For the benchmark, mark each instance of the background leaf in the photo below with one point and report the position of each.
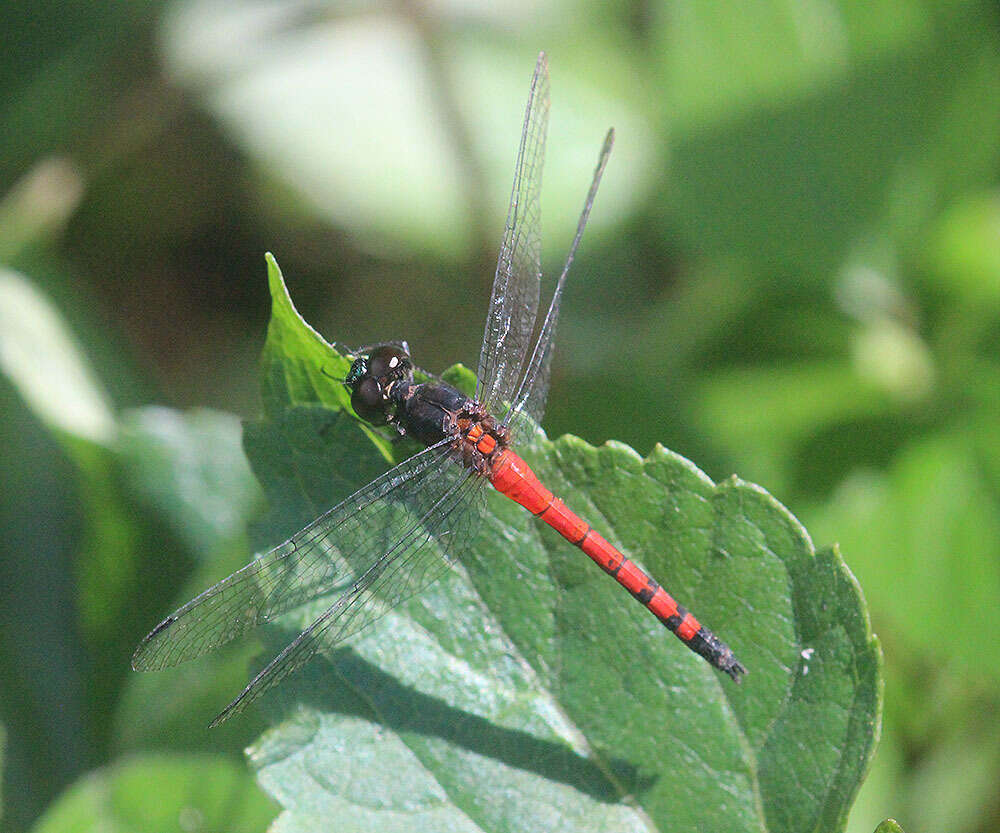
(166, 793)
(38, 354)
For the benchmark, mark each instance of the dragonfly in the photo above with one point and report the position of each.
(401, 532)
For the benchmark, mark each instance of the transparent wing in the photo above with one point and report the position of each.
(514, 303)
(414, 561)
(528, 405)
(336, 549)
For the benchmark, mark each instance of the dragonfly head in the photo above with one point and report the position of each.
(371, 377)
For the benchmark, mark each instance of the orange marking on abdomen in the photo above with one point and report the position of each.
(603, 553)
(688, 628)
(631, 577)
(511, 476)
(514, 478)
(663, 605)
(565, 521)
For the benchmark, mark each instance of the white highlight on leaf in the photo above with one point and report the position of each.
(40, 356)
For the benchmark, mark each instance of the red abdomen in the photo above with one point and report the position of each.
(511, 476)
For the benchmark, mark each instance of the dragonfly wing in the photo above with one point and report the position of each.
(332, 552)
(528, 406)
(514, 303)
(414, 561)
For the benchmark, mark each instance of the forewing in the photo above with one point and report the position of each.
(335, 550)
(414, 561)
(514, 303)
(528, 406)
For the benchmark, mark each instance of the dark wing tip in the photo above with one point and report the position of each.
(142, 659)
(221, 717)
(236, 706)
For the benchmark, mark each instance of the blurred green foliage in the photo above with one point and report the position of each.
(791, 273)
(192, 792)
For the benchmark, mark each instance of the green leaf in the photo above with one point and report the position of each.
(396, 182)
(191, 469)
(962, 250)
(46, 737)
(298, 367)
(889, 826)
(717, 58)
(767, 125)
(526, 691)
(296, 357)
(925, 531)
(40, 356)
(790, 402)
(165, 793)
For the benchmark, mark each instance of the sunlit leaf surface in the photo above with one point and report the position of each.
(526, 691)
(167, 793)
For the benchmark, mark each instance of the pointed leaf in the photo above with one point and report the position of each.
(526, 691)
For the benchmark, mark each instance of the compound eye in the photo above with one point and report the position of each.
(359, 367)
(388, 361)
(368, 403)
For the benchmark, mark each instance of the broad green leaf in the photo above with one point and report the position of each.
(399, 180)
(191, 468)
(165, 793)
(171, 710)
(297, 363)
(41, 357)
(769, 127)
(962, 250)
(790, 402)
(40, 634)
(527, 691)
(926, 531)
(718, 58)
